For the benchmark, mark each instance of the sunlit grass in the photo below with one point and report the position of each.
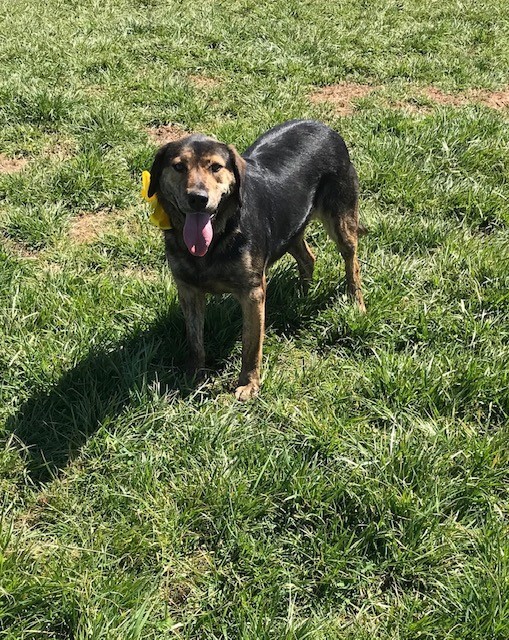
(364, 494)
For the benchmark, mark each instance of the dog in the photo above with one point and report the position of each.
(234, 215)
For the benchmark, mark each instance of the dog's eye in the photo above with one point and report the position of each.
(179, 167)
(215, 167)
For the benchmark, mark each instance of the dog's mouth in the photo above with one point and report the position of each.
(198, 232)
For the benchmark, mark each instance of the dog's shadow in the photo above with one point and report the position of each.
(53, 425)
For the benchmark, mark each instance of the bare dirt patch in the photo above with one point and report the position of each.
(410, 106)
(88, 226)
(11, 165)
(441, 97)
(59, 150)
(204, 82)
(18, 249)
(342, 96)
(493, 99)
(166, 133)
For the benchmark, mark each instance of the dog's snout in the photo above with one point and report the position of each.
(198, 199)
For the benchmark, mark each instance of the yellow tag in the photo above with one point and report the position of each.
(158, 217)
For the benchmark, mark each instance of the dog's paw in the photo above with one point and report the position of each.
(246, 392)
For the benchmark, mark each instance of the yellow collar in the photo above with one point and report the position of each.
(158, 217)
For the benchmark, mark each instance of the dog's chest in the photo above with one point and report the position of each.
(219, 272)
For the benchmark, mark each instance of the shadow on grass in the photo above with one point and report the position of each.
(53, 425)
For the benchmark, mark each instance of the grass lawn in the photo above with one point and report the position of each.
(365, 493)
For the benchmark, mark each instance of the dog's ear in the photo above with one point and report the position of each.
(239, 169)
(156, 170)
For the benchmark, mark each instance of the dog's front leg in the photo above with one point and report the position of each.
(253, 329)
(192, 303)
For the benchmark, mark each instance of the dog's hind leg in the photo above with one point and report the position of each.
(343, 229)
(339, 213)
(305, 259)
(347, 240)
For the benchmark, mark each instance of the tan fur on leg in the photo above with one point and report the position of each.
(253, 313)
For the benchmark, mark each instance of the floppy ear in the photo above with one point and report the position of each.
(156, 170)
(239, 169)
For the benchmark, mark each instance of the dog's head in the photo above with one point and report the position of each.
(194, 177)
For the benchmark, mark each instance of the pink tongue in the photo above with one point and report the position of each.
(198, 233)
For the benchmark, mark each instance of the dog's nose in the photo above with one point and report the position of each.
(198, 199)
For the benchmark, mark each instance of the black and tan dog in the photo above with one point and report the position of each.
(233, 216)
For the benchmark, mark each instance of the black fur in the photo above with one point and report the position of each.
(292, 170)
(262, 202)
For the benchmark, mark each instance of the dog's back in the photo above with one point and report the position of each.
(295, 170)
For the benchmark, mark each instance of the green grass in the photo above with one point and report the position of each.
(365, 493)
